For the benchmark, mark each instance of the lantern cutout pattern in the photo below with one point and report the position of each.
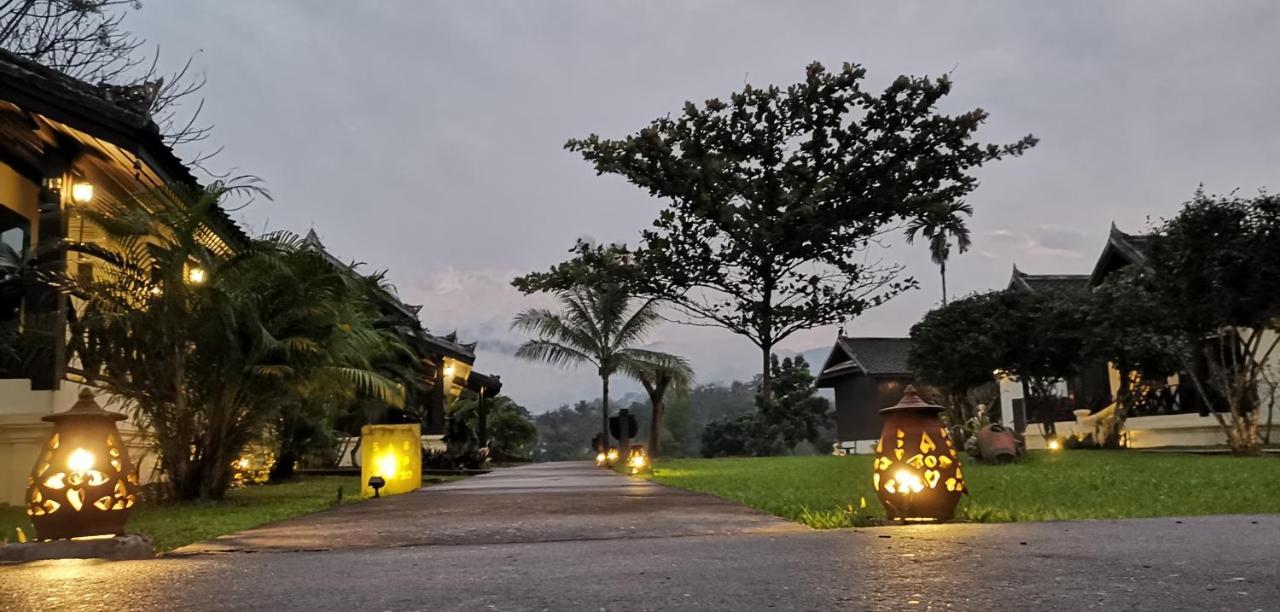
(394, 453)
(917, 473)
(83, 483)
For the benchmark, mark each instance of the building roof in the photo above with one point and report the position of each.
(1121, 250)
(115, 114)
(1021, 281)
(865, 357)
(490, 384)
(446, 345)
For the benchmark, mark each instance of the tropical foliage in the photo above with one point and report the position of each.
(939, 225)
(498, 423)
(209, 348)
(598, 326)
(795, 421)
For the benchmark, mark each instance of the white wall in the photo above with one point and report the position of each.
(22, 434)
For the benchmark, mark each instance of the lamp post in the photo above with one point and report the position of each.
(83, 483)
(917, 472)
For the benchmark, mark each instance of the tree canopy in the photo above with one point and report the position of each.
(774, 196)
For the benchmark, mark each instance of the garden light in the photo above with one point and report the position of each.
(1054, 445)
(601, 458)
(917, 472)
(612, 456)
(377, 482)
(81, 192)
(393, 455)
(83, 484)
(637, 460)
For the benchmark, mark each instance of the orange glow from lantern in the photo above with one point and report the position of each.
(80, 460)
(916, 473)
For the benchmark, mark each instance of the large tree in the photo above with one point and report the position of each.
(599, 325)
(1212, 274)
(774, 197)
(956, 348)
(89, 41)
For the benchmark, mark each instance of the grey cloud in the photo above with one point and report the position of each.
(425, 138)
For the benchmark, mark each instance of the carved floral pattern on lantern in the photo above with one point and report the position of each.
(927, 467)
(79, 481)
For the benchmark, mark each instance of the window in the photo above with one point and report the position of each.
(14, 230)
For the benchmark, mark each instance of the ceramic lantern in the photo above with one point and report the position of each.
(917, 472)
(83, 483)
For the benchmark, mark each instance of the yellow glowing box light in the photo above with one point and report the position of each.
(393, 452)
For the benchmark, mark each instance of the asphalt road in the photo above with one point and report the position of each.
(570, 537)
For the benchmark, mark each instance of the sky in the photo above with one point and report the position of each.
(426, 138)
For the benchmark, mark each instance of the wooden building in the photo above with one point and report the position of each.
(1163, 413)
(867, 374)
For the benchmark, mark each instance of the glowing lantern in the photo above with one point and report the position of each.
(917, 472)
(637, 459)
(601, 458)
(392, 453)
(83, 483)
(82, 192)
(612, 456)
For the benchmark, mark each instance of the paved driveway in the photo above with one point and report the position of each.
(570, 537)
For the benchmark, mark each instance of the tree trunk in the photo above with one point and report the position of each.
(482, 422)
(943, 267)
(604, 413)
(766, 377)
(655, 426)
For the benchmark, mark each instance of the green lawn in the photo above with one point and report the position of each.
(825, 492)
(175, 525)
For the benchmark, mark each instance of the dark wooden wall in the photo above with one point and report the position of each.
(858, 403)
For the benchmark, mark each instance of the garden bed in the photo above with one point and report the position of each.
(827, 492)
(173, 525)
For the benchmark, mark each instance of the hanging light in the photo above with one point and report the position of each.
(196, 275)
(82, 192)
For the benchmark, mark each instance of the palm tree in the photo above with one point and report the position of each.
(672, 373)
(598, 326)
(939, 226)
(207, 346)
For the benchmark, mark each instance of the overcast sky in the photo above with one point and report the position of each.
(426, 137)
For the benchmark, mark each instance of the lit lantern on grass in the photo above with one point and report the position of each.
(917, 472)
(392, 453)
(83, 484)
(611, 457)
(637, 459)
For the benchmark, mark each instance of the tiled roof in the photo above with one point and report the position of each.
(865, 356)
(1047, 282)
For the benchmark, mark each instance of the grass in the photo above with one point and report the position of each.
(829, 492)
(174, 525)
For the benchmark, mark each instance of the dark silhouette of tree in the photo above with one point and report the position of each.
(775, 196)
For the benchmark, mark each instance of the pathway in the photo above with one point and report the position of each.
(572, 537)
